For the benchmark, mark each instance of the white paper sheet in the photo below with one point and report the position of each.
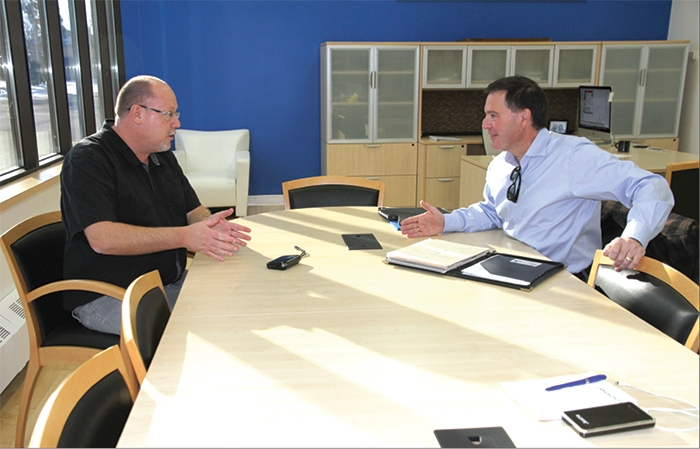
(549, 405)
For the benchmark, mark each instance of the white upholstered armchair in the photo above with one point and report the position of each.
(217, 164)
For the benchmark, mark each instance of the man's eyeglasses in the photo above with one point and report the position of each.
(514, 189)
(167, 114)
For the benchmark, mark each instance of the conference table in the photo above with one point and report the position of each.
(344, 350)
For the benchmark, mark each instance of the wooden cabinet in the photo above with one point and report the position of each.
(647, 82)
(575, 65)
(369, 93)
(438, 172)
(534, 62)
(444, 67)
(393, 164)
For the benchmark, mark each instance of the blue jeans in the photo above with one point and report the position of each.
(104, 314)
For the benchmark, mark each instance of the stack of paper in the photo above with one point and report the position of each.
(549, 405)
(436, 255)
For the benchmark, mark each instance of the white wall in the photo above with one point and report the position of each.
(685, 25)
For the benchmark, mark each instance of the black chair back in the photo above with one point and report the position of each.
(97, 420)
(39, 255)
(328, 195)
(152, 315)
(686, 192)
(650, 299)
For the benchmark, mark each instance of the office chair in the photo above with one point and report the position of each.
(34, 253)
(488, 148)
(217, 164)
(145, 313)
(323, 191)
(683, 179)
(655, 292)
(90, 407)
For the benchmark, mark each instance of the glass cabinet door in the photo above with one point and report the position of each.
(575, 65)
(534, 62)
(487, 64)
(663, 81)
(349, 93)
(621, 69)
(444, 67)
(396, 85)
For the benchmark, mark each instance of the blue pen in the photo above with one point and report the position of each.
(587, 380)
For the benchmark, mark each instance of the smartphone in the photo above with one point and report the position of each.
(608, 419)
(284, 262)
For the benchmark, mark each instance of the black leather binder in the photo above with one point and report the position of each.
(508, 270)
(400, 213)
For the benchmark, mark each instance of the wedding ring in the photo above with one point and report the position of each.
(627, 258)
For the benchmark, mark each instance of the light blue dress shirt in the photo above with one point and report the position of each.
(564, 178)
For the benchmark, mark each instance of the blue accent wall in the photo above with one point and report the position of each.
(255, 64)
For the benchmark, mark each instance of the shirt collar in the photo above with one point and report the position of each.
(122, 147)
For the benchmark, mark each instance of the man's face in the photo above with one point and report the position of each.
(503, 125)
(161, 129)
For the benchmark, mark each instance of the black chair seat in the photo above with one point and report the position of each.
(71, 333)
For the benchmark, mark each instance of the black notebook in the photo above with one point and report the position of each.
(510, 271)
(400, 213)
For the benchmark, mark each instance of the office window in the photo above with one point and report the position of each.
(36, 41)
(56, 77)
(71, 60)
(9, 148)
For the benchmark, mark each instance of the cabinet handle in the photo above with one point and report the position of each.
(373, 145)
(643, 77)
(445, 179)
(373, 79)
(446, 147)
(373, 178)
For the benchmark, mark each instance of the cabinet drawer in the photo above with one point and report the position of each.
(372, 160)
(443, 160)
(399, 191)
(443, 192)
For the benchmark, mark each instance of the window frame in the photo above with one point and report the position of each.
(112, 70)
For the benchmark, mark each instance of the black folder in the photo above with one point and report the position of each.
(398, 214)
(508, 270)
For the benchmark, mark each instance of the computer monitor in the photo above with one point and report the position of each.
(594, 112)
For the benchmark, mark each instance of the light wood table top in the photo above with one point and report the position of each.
(346, 351)
(654, 160)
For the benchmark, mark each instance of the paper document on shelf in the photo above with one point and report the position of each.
(549, 405)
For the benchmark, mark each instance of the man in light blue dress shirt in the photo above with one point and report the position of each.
(545, 188)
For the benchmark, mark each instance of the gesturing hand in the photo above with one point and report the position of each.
(429, 223)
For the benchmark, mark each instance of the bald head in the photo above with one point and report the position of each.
(138, 90)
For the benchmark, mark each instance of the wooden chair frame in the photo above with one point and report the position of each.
(129, 340)
(52, 419)
(332, 180)
(51, 355)
(680, 282)
(679, 166)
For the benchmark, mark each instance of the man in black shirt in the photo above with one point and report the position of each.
(129, 209)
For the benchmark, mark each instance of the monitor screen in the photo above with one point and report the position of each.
(594, 112)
